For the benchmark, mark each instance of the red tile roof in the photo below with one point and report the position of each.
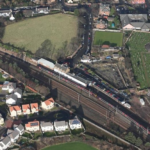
(33, 123)
(25, 107)
(34, 105)
(105, 46)
(138, 1)
(15, 108)
(49, 101)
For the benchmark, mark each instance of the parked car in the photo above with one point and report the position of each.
(142, 102)
(127, 105)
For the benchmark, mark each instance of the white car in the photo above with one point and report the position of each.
(127, 105)
(142, 101)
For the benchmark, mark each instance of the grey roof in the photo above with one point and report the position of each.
(20, 127)
(28, 13)
(12, 85)
(14, 134)
(104, 7)
(13, 96)
(5, 11)
(62, 67)
(18, 90)
(9, 131)
(136, 20)
(59, 123)
(74, 121)
(46, 124)
(1, 145)
(1, 115)
(46, 63)
(6, 140)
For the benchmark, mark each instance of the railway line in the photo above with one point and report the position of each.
(97, 104)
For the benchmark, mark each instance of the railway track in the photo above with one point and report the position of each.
(104, 109)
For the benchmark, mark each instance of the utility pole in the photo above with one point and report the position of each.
(147, 130)
(116, 111)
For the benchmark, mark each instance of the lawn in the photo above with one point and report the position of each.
(140, 58)
(70, 146)
(32, 32)
(1, 78)
(109, 38)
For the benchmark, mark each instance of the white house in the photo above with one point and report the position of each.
(48, 104)
(11, 99)
(34, 108)
(14, 136)
(26, 109)
(46, 126)
(5, 13)
(1, 119)
(60, 125)
(15, 111)
(8, 86)
(5, 143)
(32, 126)
(75, 124)
(19, 128)
(18, 92)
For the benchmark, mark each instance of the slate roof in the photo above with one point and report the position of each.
(20, 127)
(6, 140)
(60, 123)
(18, 90)
(46, 124)
(14, 134)
(13, 96)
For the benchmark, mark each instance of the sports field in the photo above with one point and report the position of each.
(70, 146)
(31, 33)
(140, 57)
(108, 38)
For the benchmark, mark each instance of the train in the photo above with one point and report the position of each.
(62, 70)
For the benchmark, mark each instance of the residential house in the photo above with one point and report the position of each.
(110, 19)
(32, 126)
(9, 86)
(72, 1)
(41, 10)
(134, 22)
(60, 125)
(11, 99)
(115, 56)
(5, 143)
(75, 124)
(105, 48)
(138, 1)
(26, 109)
(86, 59)
(19, 128)
(48, 104)
(27, 12)
(12, 17)
(14, 136)
(104, 10)
(5, 13)
(15, 111)
(18, 92)
(1, 119)
(101, 24)
(34, 108)
(46, 126)
(61, 68)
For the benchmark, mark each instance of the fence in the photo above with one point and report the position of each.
(107, 30)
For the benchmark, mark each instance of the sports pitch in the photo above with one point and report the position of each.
(108, 38)
(32, 32)
(70, 146)
(140, 57)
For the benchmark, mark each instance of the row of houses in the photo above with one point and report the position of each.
(18, 130)
(26, 12)
(32, 108)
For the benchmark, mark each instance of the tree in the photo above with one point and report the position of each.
(82, 20)
(76, 12)
(82, 11)
(130, 137)
(147, 144)
(138, 142)
(19, 16)
(45, 49)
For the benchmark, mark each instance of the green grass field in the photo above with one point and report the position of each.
(109, 38)
(31, 33)
(70, 146)
(140, 58)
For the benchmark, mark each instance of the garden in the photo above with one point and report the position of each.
(140, 58)
(108, 38)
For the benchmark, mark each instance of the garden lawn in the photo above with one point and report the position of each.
(140, 58)
(32, 32)
(70, 146)
(108, 38)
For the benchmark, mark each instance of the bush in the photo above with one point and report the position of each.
(49, 134)
(77, 131)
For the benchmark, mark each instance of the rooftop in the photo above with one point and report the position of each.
(60, 123)
(14, 108)
(32, 124)
(49, 101)
(46, 124)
